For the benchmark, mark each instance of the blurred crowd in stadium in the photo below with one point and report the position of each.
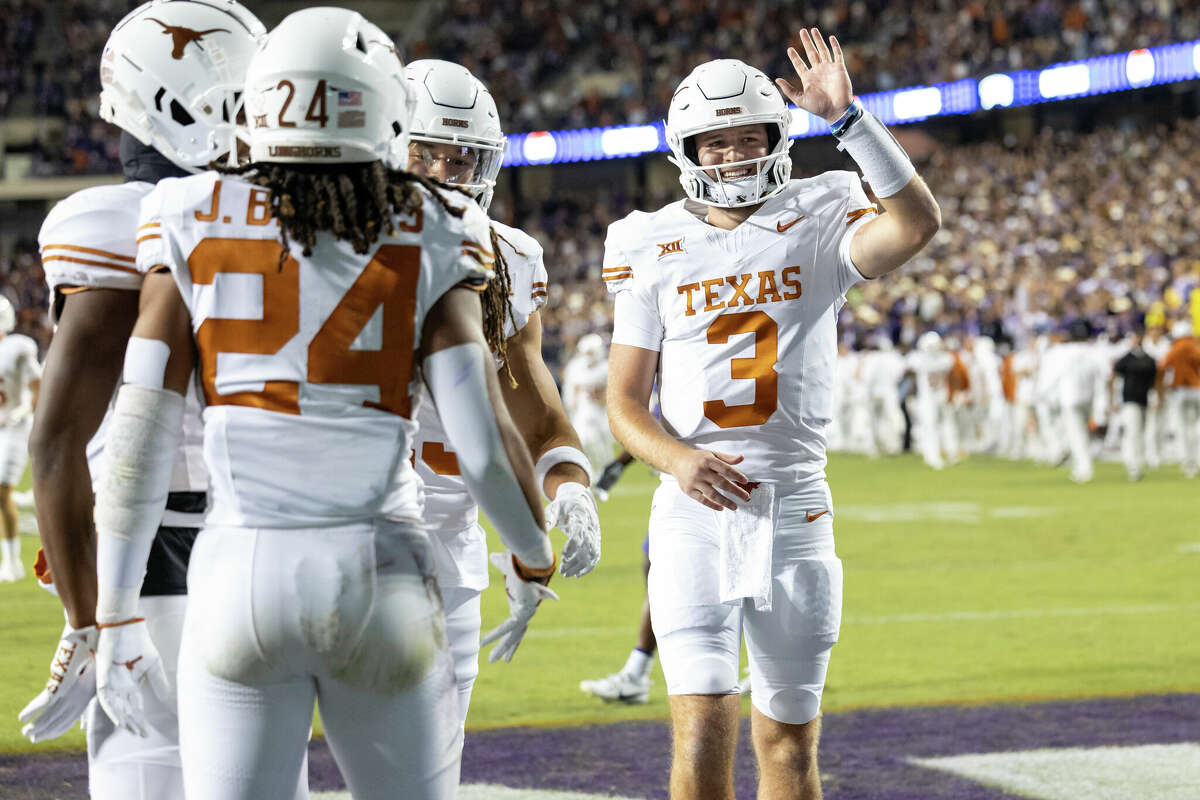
(555, 64)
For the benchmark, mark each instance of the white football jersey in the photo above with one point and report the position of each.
(18, 368)
(745, 321)
(931, 372)
(584, 382)
(449, 508)
(89, 241)
(307, 367)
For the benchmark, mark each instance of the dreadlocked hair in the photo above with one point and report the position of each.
(497, 305)
(357, 203)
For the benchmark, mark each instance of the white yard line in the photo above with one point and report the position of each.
(546, 632)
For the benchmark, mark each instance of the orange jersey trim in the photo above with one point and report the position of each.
(89, 262)
(91, 251)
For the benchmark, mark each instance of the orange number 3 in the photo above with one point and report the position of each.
(760, 369)
(389, 279)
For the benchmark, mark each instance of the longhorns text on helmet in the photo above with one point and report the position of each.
(454, 107)
(727, 93)
(327, 86)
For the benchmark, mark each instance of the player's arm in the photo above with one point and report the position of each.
(912, 215)
(560, 467)
(143, 436)
(82, 369)
(703, 475)
(537, 409)
(494, 461)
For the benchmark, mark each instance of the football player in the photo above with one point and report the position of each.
(20, 377)
(738, 287)
(457, 140)
(930, 365)
(1179, 374)
(171, 76)
(313, 289)
(584, 377)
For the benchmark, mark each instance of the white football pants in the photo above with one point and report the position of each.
(1075, 427)
(14, 452)
(1133, 438)
(345, 617)
(1186, 422)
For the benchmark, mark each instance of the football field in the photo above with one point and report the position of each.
(974, 596)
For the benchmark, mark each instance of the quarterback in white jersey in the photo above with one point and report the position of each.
(310, 326)
(735, 293)
(88, 245)
(20, 376)
(457, 140)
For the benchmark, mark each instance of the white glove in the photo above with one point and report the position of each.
(573, 510)
(71, 686)
(127, 664)
(523, 600)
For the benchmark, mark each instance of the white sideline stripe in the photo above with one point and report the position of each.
(890, 619)
(1160, 771)
(487, 791)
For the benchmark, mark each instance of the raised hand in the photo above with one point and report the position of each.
(824, 83)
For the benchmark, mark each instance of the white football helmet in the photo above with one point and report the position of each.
(929, 342)
(327, 86)
(454, 107)
(1181, 329)
(724, 94)
(172, 75)
(590, 346)
(8, 316)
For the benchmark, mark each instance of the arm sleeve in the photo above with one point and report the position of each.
(152, 241)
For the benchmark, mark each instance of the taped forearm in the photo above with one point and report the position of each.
(457, 378)
(882, 160)
(143, 435)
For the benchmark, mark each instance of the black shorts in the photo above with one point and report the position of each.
(166, 569)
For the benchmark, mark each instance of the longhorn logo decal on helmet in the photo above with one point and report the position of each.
(181, 37)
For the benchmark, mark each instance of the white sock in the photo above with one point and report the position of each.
(11, 550)
(639, 663)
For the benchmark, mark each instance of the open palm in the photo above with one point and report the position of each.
(824, 83)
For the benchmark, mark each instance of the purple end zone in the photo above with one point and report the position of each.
(864, 754)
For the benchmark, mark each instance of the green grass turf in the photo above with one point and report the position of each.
(989, 581)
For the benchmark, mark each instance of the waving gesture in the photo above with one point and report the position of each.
(824, 83)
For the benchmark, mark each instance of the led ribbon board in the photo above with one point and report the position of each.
(1135, 69)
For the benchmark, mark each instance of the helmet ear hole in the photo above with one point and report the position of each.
(180, 114)
(689, 149)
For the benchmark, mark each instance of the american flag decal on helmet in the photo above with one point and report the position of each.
(350, 98)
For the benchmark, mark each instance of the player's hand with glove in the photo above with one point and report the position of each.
(128, 665)
(71, 686)
(573, 511)
(526, 590)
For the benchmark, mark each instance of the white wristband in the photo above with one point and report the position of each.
(555, 456)
(883, 161)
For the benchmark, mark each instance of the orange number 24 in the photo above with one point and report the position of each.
(389, 279)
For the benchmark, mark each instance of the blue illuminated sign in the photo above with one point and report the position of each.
(1101, 75)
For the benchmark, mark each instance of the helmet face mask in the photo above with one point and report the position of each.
(325, 87)
(728, 94)
(172, 75)
(455, 120)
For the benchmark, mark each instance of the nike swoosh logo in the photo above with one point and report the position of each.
(811, 516)
(779, 226)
